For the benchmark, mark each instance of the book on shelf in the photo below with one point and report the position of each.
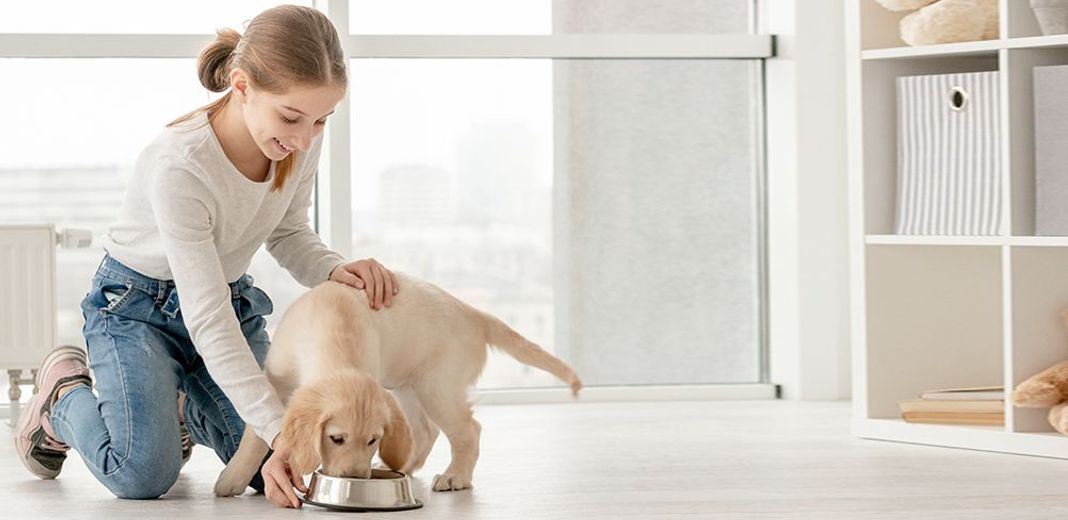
(981, 405)
(951, 406)
(968, 418)
(965, 394)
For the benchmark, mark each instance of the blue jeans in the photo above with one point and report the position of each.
(141, 355)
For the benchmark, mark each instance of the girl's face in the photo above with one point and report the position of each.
(281, 124)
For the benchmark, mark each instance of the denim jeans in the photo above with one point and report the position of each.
(141, 355)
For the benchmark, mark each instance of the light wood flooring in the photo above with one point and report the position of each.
(721, 460)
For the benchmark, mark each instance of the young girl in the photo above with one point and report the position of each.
(171, 311)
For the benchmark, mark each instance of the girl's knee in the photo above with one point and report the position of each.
(142, 482)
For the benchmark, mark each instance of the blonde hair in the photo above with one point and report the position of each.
(283, 47)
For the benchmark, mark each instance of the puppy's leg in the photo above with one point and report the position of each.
(242, 467)
(424, 431)
(449, 408)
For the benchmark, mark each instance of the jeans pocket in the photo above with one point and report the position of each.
(112, 296)
(259, 304)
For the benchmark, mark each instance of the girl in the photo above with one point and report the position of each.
(171, 312)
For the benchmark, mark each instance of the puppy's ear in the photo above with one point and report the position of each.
(396, 447)
(302, 431)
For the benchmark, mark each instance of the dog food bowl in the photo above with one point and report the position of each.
(384, 491)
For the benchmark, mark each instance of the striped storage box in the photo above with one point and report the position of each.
(949, 155)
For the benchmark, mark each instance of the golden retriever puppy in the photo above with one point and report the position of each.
(333, 358)
(326, 425)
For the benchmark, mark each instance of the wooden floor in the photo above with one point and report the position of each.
(722, 460)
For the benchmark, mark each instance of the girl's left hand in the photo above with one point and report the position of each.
(371, 276)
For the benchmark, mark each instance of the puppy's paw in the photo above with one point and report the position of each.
(229, 485)
(450, 482)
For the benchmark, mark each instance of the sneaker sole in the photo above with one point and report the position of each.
(29, 462)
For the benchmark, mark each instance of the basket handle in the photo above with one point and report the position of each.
(957, 99)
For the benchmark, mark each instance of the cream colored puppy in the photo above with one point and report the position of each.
(332, 359)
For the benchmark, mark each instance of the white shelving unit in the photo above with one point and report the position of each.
(943, 311)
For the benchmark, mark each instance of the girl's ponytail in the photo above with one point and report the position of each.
(214, 60)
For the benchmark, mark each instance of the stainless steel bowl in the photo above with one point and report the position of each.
(384, 491)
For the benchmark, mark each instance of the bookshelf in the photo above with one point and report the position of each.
(943, 311)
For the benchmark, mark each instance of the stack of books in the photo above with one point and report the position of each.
(982, 406)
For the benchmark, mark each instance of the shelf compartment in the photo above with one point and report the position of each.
(1038, 333)
(934, 320)
(1019, 100)
(880, 27)
(880, 129)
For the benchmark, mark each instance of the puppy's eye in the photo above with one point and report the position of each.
(337, 439)
(372, 442)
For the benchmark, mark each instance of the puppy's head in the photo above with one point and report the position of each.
(340, 422)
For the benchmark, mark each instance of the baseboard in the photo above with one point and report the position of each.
(596, 394)
(602, 394)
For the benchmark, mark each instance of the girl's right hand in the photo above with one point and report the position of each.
(279, 481)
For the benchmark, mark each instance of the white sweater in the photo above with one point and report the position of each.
(190, 216)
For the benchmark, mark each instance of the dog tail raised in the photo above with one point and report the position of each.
(523, 350)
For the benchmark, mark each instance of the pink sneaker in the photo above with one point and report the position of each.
(35, 441)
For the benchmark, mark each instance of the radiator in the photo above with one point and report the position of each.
(27, 294)
(27, 301)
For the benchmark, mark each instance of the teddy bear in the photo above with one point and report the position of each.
(1048, 388)
(946, 21)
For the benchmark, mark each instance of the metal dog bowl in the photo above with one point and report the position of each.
(384, 491)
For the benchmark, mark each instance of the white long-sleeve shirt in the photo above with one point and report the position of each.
(190, 216)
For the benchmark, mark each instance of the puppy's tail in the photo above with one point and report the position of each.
(523, 350)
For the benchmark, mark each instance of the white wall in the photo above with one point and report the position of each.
(807, 209)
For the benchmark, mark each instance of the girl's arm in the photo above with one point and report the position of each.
(296, 246)
(183, 212)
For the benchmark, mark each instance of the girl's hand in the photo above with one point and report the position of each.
(371, 276)
(279, 481)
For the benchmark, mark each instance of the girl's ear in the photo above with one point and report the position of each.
(239, 82)
(396, 447)
(302, 431)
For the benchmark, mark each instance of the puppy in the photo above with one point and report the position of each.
(333, 358)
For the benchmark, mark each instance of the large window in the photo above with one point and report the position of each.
(609, 208)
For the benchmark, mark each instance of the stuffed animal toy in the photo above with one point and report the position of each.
(946, 21)
(1048, 388)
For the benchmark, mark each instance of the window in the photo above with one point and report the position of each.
(607, 209)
